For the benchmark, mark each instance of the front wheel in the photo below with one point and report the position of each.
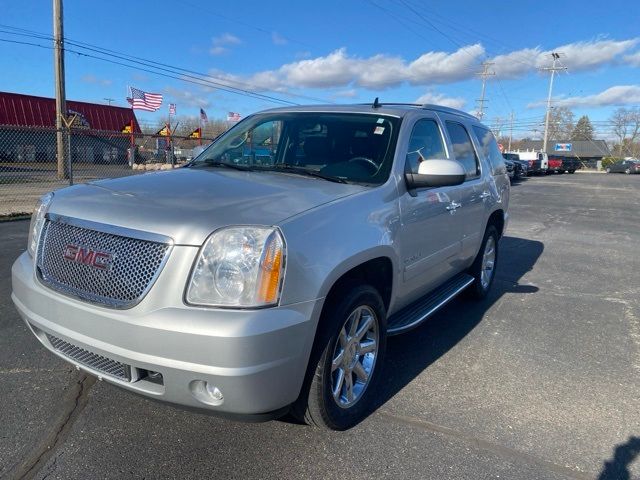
(484, 266)
(628, 171)
(343, 387)
(608, 170)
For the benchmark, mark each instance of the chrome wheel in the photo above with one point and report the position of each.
(354, 356)
(488, 262)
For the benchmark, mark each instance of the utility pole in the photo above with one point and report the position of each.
(484, 74)
(553, 69)
(61, 102)
(510, 130)
(109, 100)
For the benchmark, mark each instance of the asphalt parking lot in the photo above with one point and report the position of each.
(539, 381)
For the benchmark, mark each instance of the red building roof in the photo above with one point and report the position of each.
(30, 111)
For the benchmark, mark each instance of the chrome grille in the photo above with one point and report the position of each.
(97, 362)
(134, 264)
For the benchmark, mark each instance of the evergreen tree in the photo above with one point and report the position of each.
(583, 129)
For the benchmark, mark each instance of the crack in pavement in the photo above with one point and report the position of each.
(72, 405)
(480, 444)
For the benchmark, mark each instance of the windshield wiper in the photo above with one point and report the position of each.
(217, 163)
(288, 168)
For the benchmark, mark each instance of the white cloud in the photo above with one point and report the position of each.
(618, 95)
(633, 59)
(577, 56)
(340, 69)
(334, 70)
(440, 99)
(442, 67)
(221, 44)
(278, 39)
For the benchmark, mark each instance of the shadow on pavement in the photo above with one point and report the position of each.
(410, 354)
(623, 456)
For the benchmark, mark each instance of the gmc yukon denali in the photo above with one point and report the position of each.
(264, 277)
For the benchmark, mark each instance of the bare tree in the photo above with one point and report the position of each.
(626, 127)
(560, 123)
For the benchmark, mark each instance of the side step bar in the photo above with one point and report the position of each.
(414, 314)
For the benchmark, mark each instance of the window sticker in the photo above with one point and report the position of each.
(380, 120)
(378, 131)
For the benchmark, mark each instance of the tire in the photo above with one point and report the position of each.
(317, 405)
(608, 170)
(628, 171)
(481, 285)
(572, 171)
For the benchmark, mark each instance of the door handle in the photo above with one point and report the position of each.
(484, 195)
(453, 206)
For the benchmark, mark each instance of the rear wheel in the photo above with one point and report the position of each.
(628, 171)
(352, 340)
(484, 266)
(572, 171)
(608, 170)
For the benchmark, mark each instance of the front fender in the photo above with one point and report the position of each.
(328, 241)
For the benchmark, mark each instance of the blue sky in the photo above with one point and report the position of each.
(341, 51)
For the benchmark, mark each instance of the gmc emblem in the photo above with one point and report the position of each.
(87, 256)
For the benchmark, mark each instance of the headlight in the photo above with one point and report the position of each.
(37, 222)
(239, 267)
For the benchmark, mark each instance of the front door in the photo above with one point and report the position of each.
(430, 235)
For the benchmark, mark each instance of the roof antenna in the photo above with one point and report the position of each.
(376, 103)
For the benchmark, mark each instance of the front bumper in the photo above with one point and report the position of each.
(256, 358)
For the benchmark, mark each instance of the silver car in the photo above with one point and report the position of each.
(266, 275)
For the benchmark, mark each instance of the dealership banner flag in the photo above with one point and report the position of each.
(164, 131)
(233, 117)
(197, 133)
(172, 109)
(127, 128)
(203, 116)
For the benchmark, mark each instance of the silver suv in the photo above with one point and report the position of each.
(266, 275)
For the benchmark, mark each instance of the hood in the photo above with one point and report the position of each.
(188, 204)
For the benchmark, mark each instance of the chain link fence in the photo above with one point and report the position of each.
(29, 165)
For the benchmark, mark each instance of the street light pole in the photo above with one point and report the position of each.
(552, 69)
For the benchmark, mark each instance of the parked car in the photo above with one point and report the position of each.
(538, 161)
(521, 166)
(511, 169)
(256, 289)
(624, 166)
(563, 164)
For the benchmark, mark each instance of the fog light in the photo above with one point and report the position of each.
(214, 392)
(206, 392)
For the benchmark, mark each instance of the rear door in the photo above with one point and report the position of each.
(473, 192)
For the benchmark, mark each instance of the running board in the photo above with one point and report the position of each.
(414, 314)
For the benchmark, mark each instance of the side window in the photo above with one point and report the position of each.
(491, 150)
(463, 149)
(425, 144)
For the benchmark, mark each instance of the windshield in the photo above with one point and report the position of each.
(348, 147)
(511, 156)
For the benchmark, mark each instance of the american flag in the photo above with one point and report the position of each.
(172, 109)
(144, 101)
(203, 116)
(233, 117)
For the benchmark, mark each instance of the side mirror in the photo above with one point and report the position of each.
(436, 173)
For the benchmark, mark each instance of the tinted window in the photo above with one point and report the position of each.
(491, 151)
(463, 149)
(425, 144)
